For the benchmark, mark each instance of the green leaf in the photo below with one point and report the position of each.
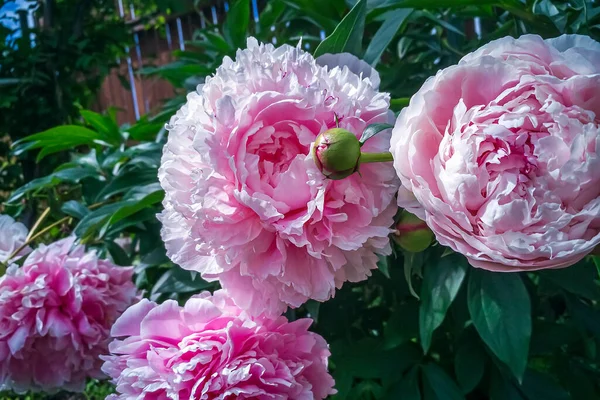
(104, 125)
(393, 21)
(402, 326)
(75, 209)
(407, 388)
(398, 104)
(236, 24)
(127, 180)
(537, 385)
(441, 282)
(117, 253)
(580, 279)
(436, 3)
(502, 389)
(501, 312)
(347, 36)
(412, 262)
(71, 175)
(57, 139)
(469, 365)
(178, 280)
(439, 384)
(373, 130)
(383, 266)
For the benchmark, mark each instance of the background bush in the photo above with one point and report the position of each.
(422, 327)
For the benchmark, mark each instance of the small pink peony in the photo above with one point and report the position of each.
(55, 316)
(210, 349)
(500, 154)
(245, 202)
(12, 236)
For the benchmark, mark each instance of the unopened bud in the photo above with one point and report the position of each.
(337, 153)
(412, 233)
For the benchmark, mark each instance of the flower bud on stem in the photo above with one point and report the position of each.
(337, 154)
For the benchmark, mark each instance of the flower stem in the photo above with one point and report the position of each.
(38, 223)
(375, 157)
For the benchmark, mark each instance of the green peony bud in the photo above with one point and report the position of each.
(412, 233)
(337, 153)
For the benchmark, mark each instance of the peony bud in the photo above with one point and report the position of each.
(337, 153)
(412, 233)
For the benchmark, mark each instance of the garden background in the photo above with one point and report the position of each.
(86, 87)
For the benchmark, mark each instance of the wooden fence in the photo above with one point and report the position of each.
(135, 94)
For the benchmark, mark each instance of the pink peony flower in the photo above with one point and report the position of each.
(500, 154)
(55, 316)
(245, 202)
(12, 236)
(210, 349)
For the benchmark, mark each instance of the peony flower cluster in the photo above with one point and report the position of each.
(245, 202)
(56, 312)
(500, 154)
(210, 349)
(12, 236)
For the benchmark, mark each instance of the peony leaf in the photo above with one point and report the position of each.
(393, 21)
(236, 24)
(347, 36)
(438, 385)
(501, 312)
(441, 282)
(373, 130)
(469, 365)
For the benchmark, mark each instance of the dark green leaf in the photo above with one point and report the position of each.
(502, 389)
(383, 266)
(178, 280)
(469, 365)
(393, 21)
(104, 125)
(127, 180)
(407, 388)
(435, 3)
(373, 130)
(412, 262)
(71, 175)
(537, 385)
(501, 312)
(236, 24)
(441, 282)
(580, 279)
(75, 209)
(117, 253)
(57, 139)
(347, 36)
(440, 385)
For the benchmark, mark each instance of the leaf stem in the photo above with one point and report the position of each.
(375, 157)
(31, 238)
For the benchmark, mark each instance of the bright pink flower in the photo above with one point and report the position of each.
(500, 154)
(245, 202)
(210, 349)
(55, 317)
(12, 236)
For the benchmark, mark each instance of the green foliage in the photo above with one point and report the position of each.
(425, 325)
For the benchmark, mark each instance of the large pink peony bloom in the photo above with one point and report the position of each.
(500, 154)
(12, 236)
(245, 203)
(55, 317)
(210, 349)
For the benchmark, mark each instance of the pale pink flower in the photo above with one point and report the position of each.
(245, 202)
(12, 236)
(210, 349)
(55, 317)
(500, 154)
